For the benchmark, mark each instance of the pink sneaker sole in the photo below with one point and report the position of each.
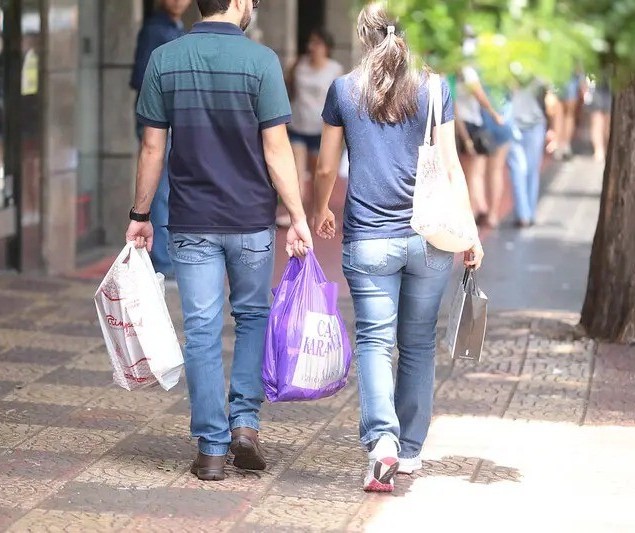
(382, 475)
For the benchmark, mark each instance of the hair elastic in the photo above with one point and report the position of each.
(390, 30)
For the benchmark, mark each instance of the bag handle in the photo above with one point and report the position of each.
(469, 278)
(434, 105)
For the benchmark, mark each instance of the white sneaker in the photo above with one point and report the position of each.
(408, 466)
(383, 464)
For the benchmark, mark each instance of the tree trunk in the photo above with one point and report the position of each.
(609, 307)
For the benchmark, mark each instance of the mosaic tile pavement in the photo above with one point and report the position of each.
(79, 454)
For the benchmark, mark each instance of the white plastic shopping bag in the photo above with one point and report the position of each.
(136, 324)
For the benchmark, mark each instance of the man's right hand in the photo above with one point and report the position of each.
(299, 239)
(142, 233)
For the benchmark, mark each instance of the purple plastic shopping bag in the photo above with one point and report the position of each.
(307, 351)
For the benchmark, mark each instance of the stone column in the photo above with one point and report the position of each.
(341, 19)
(120, 23)
(191, 16)
(277, 25)
(59, 164)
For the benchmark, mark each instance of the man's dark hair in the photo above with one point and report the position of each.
(212, 7)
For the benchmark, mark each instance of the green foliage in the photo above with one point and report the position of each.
(523, 38)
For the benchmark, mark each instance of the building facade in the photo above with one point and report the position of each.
(67, 143)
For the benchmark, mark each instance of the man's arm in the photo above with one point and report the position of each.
(282, 169)
(283, 172)
(149, 168)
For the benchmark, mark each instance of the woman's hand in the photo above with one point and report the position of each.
(473, 258)
(324, 225)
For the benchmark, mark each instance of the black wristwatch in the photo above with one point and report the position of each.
(139, 217)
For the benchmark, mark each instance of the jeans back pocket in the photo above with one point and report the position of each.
(368, 256)
(257, 248)
(437, 259)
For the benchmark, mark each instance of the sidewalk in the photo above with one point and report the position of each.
(538, 436)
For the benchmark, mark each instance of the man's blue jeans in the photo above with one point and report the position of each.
(397, 286)
(201, 263)
(524, 161)
(159, 215)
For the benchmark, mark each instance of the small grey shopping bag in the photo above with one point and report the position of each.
(468, 320)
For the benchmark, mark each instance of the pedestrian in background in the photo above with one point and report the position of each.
(478, 145)
(308, 83)
(599, 100)
(527, 150)
(224, 98)
(396, 278)
(163, 26)
(570, 95)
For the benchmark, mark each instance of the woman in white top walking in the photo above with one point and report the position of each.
(308, 83)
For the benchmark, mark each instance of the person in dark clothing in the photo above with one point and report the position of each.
(162, 27)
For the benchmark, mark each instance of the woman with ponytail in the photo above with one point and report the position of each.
(396, 278)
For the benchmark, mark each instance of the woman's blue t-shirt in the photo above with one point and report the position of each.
(382, 161)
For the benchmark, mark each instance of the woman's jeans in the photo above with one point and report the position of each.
(397, 286)
(201, 263)
(525, 161)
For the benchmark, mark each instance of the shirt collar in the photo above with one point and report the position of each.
(226, 28)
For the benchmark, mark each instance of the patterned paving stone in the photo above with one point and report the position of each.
(23, 373)
(146, 401)
(157, 446)
(63, 439)
(158, 502)
(8, 516)
(97, 361)
(45, 521)
(255, 483)
(46, 341)
(26, 492)
(172, 425)
(46, 393)
(286, 434)
(75, 376)
(76, 329)
(33, 285)
(299, 513)
(180, 407)
(42, 465)
(102, 419)
(315, 484)
(137, 472)
(8, 386)
(35, 356)
(13, 434)
(10, 306)
(31, 413)
(178, 525)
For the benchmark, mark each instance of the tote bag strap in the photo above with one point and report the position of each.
(427, 139)
(438, 100)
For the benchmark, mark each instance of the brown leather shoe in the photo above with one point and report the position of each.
(246, 449)
(209, 467)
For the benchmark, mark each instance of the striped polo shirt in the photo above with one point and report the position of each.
(217, 90)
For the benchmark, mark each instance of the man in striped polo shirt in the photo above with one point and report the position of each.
(225, 100)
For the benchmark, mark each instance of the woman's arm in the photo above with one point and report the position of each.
(463, 134)
(445, 138)
(477, 90)
(327, 167)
